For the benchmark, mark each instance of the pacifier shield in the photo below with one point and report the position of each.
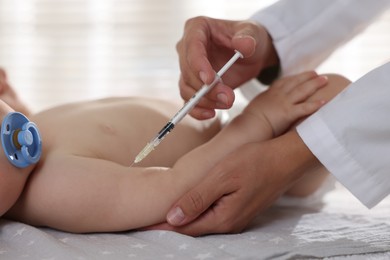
(21, 140)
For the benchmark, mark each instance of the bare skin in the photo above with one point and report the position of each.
(249, 180)
(243, 178)
(83, 183)
(9, 96)
(12, 180)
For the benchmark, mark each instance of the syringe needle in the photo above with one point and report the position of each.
(194, 100)
(144, 152)
(149, 147)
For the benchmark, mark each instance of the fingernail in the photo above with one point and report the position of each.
(203, 76)
(175, 216)
(325, 78)
(245, 36)
(207, 114)
(222, 98)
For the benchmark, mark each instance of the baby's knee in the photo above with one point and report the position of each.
(336, 84)
(337, 81)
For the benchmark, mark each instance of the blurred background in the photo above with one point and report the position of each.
(58, 51)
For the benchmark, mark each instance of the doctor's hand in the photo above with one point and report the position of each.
(206, 45)
(242, 185)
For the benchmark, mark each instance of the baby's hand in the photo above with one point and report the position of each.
(288, 100)
(9, 95)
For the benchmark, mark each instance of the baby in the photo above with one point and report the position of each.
(83, 182)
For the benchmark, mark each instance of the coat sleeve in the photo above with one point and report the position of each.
(351, 136)
(306, 32)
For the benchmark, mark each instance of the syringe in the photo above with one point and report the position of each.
(185, 110)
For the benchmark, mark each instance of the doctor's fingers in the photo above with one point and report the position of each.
(245, 37)
(203, 35)
(251, 39)
(195, 67)
(192, 49)
(232, 193)
(219, 97)
(199, 199)
(232, 213)
(218, 219)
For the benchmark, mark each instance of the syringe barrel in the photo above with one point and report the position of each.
(193, 101)
(165, 130)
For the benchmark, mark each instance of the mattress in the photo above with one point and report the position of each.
(337, 228)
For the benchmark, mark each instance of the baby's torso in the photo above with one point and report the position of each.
(116, 129)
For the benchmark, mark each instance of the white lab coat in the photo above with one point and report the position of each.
(351, 134)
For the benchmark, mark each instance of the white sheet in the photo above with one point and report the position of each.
(341, 229)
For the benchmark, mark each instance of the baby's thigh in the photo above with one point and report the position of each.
(64, 191)
(82, 194)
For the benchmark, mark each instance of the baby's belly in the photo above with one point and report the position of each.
(117, 130)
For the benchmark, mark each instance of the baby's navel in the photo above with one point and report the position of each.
(108, 129)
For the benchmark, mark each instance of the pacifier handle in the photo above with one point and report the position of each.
(21, 140)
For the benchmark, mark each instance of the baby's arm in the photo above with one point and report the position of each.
(10, 97)
(274, 111)
(12, 179)
(80, 194)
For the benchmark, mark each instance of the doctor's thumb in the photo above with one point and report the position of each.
(188, 208)
(244, 40)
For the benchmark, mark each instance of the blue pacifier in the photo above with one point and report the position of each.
(21, 140)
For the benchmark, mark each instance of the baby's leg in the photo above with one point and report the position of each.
(80, 194)
(269, 114)
(9, 96)
(274, 111)
(311, 181)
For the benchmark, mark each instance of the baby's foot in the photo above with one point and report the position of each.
(9, 96)
(287, 100)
